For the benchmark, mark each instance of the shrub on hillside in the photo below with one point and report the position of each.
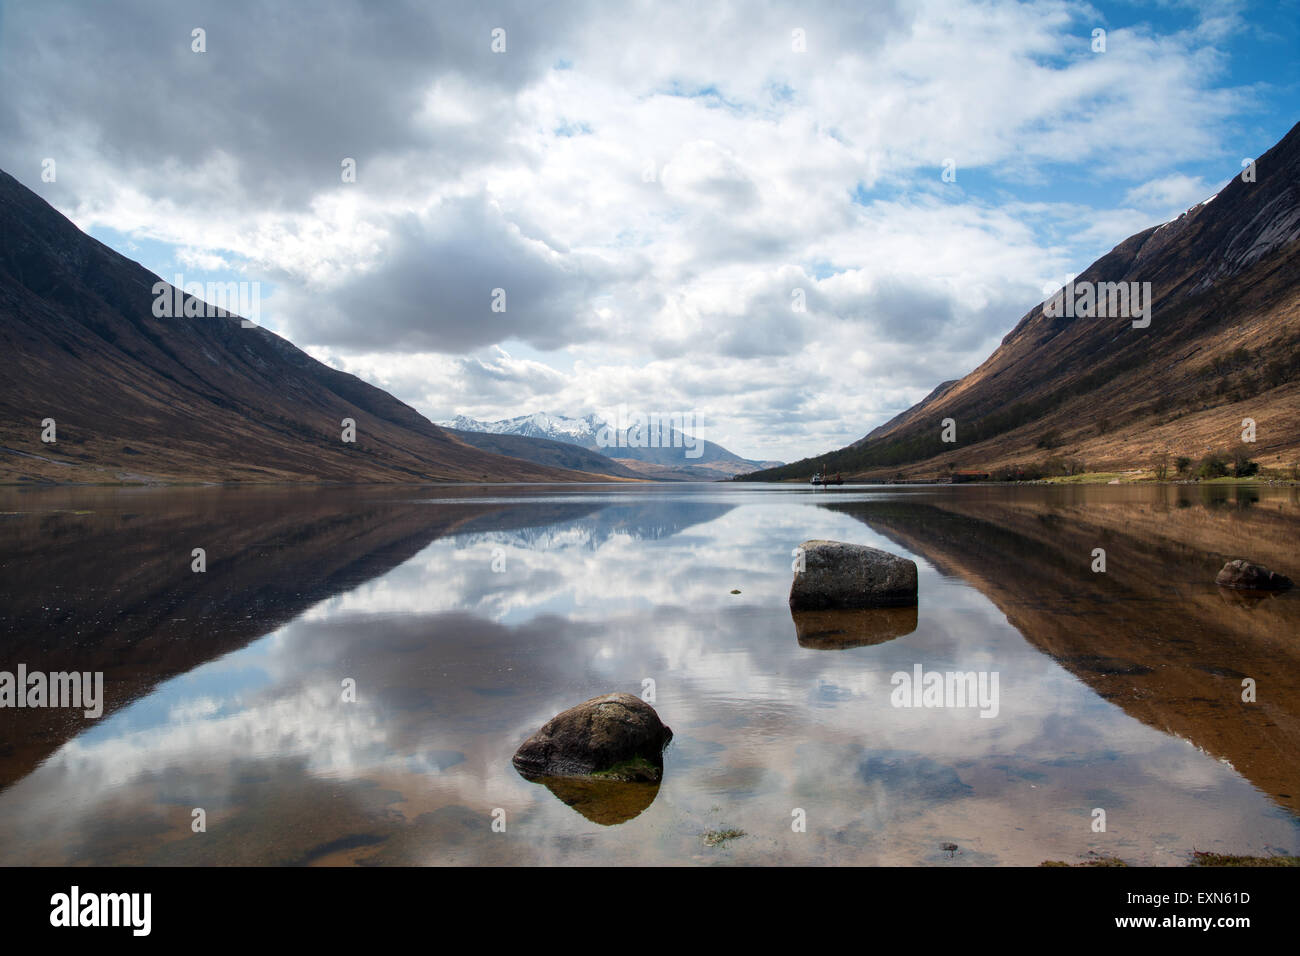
(1242, 466)
(1050, 439)
(1212, 465)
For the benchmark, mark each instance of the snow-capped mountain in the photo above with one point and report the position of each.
(675, 453)
(575, 431)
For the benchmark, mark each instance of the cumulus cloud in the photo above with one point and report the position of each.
(648, 185)
(1169, 194)
(457, 277)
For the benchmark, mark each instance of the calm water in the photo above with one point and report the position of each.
(469, 616)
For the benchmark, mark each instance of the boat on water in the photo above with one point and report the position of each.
(822, 478)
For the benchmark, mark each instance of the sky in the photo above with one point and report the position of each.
(790, 221)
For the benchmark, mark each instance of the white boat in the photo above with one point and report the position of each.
(821, 478)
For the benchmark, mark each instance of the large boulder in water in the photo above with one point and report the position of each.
(838, 575)
(1243, 574)
(614, 737)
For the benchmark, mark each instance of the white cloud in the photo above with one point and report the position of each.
(648, 208)
(1169, 195)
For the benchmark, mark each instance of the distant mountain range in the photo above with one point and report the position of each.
(674, 455)
(128, 396)
(576, 431)
(1212, 353)
(544, 451)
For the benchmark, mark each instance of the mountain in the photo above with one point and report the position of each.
(905, 416)
(668, 460)
(544, 451)
(134, 397)
(1222, 346)
(575, 431)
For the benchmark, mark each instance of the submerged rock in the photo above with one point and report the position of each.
(1243, 574)
(615, 737)
(838, 630)
(602, 801)
(1243, 597)
(838, 575)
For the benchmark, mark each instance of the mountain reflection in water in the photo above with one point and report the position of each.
(467, 617)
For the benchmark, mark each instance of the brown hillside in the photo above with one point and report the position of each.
(1223, 345)
(136, 397)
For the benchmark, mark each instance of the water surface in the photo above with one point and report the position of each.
(468, 616)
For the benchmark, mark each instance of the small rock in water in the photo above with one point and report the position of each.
(735, 590)
(1243, 574)
(613, 737)
(719, 837)
(838, 575)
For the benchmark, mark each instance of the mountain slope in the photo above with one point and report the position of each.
(544, 451)
(1223, 345)
(137, 397)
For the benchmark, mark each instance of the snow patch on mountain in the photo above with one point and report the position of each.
(575, 431)
(586, 432)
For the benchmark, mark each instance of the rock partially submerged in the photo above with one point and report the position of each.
(838, 630)
(602, 801)
(1254, 577)
(615, 737)
(838, 575)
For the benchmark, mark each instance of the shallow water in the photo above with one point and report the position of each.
(469, 616)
